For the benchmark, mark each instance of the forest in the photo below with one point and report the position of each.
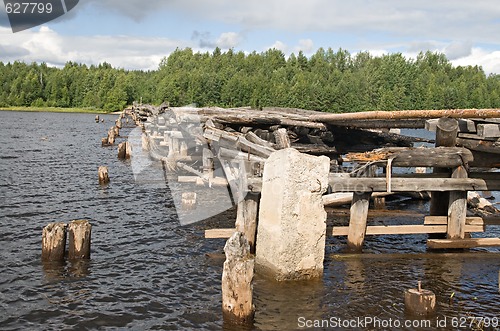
(331, 81)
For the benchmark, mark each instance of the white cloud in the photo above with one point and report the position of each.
(489, 60)
(305, 45)
(45, 45)
(228, 40)
(280, 46)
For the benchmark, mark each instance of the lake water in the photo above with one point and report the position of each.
(147, 272)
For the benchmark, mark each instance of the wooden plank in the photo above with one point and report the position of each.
(354, 184)
(488, 130)
(462, 243)
(403, 229)
(443, 220)
(219, 233)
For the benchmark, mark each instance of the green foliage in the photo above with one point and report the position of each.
(333, 81)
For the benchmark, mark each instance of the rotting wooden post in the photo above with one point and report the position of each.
(457, 210)
(79, 233)
(237, 275)
(54, 242)
(420, 302)
(188, 200)
(124, 150)
(358, 219)
(208, 162)
(111, 136)
(97, 118)
(103, 175)
(145, 142)
(246, 218)
(446, 135)
(118, 123)
(116, 131)
(282, 139)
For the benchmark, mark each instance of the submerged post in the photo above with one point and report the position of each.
(420, 302)
(457, 210)
(358, 219)
(53, 242)
(292, 219)
(79, 233)
(237, 275)
(103, 175)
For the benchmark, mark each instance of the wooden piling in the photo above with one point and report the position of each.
(446, 135)
(208, 163)
(53, 242)
(246, 218)
(97, 118)
(237, 275)
(358, 219)
(420, 302)
(188, 201)
(457, 209)
(103, 175)
(79, 233)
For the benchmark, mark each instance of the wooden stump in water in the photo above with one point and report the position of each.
(103, 175)
(237, 275)
(420, 302)
(54, 242)
(188, 200)
(116, 131)
(79, 233)
(97, 118)
(111, 136)
(124, 150)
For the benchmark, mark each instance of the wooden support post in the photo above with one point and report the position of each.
(79, 233)
(420, 302)
(183, 148)
(357, 223)
(237, 275)
(188, 200)
(457, 210)
(246, 218)
(446, 135)
(103, 175)
(97, 118)
(111, 136)
(208, 163)
(53, 242)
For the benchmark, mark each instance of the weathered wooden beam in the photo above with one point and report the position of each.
(462, 243)
(444, 157)
(457, 208)
(488, 130)
(413, 185)
(373, 230)
(480, 145)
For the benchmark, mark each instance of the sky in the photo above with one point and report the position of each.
(137, 34)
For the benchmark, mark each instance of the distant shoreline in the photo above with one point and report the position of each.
(55, 110)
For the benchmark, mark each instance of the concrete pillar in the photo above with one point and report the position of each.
(292, 219)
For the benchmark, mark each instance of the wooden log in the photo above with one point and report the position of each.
(219, 233)
(357, 222)
(252, 137)
(480, 145)
(188, 201)
(374, 230)
(111, 136)
(407, 114)
(282, 139)
(103, 175)
(54, 242)
(250, 147)
(237, 276)
(418, 184)
(237, 155)
(420, 302)
(462, 243)
(464, 125)
(342, 198)
(457, 209)
(79, 233)
(246, 218)
(442, 157)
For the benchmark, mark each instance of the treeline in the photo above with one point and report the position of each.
(334, 81)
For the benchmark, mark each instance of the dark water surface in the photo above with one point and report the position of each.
(148, 272)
